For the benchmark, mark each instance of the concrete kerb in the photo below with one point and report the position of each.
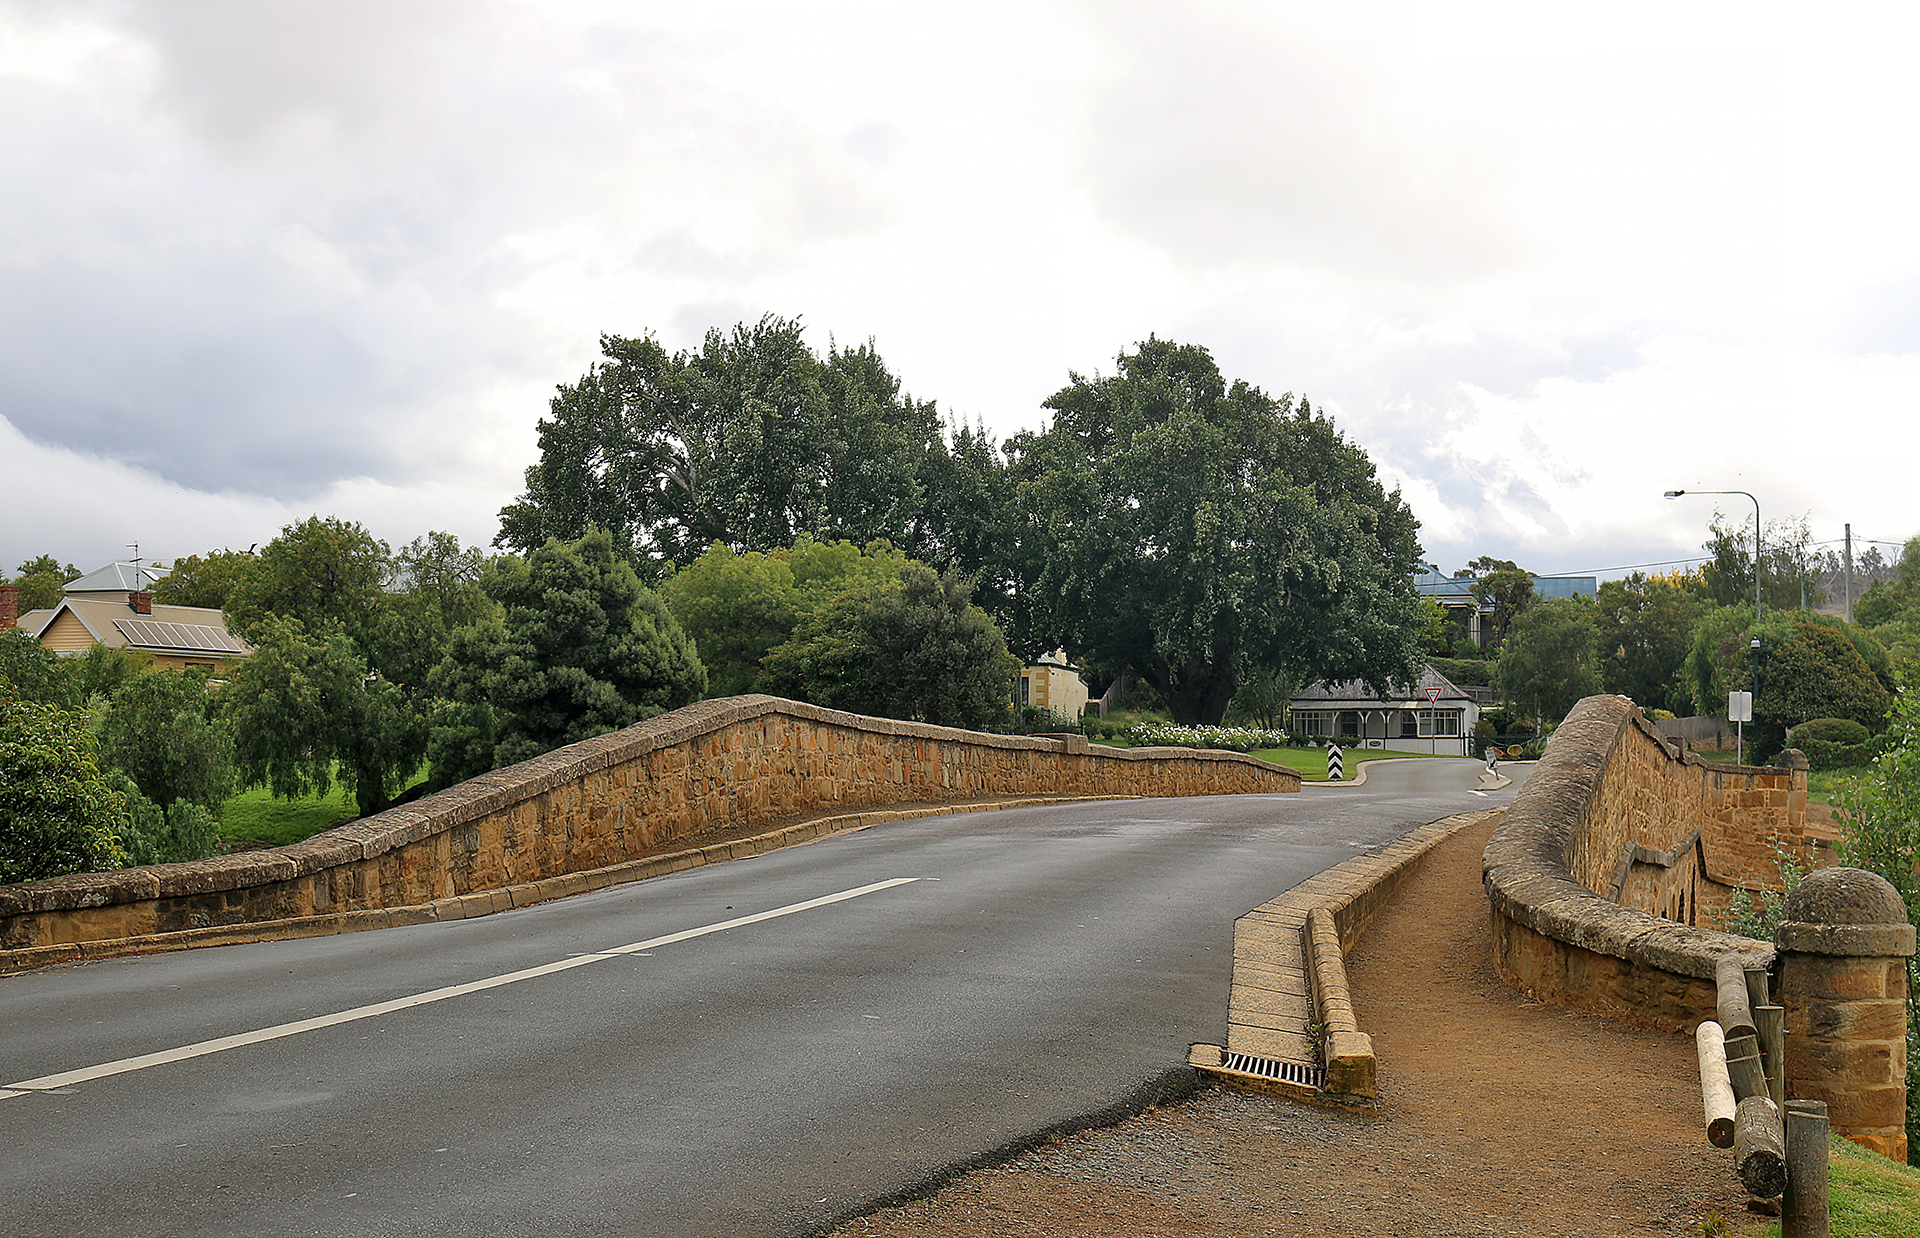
(526, 894)
(1277, 957)
(1359, 779)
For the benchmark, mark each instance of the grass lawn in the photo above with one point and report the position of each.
(1868, 1196)
(256, 817)
(1312, 762)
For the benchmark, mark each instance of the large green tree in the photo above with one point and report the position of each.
(578, 648)
(208, 580)
(739, 606)
(1790, 579)
(912, 647)
(305, 710)
(751, 441)
(34, 672)
(160, 729)
(1551, 659)
(1645, 630)
(59, 812)
(1193, 530)
(1503, 588)
(40, 581)
(324, 572)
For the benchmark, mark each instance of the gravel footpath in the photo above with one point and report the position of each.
(1498, 1116)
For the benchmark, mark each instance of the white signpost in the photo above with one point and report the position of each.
(1740, 712)
(1433, 729)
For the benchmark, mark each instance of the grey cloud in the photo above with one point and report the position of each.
(1223, 145)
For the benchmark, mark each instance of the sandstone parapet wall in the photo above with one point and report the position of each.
(729, 763)
(1618, 847)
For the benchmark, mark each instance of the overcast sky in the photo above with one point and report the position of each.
(261, 259)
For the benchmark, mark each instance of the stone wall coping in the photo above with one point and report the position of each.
(1527, 864)
(1863, 941)
(514, 784)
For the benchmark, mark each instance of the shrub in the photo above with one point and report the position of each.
(1832, 743)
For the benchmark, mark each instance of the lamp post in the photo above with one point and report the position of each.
(1674, 494)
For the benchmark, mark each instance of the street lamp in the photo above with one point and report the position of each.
(1674, 494)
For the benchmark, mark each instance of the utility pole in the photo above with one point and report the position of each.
(1849, 561)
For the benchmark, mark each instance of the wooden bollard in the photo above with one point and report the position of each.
(1716, 1093)
(1757, 991)
(1730, 982)
(1772, 1024)
(1803, 1213)
(1744, 1069)
(1760, 1148)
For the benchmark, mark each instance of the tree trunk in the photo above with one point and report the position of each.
(1196, 694)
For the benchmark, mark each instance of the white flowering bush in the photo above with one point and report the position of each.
(1231, 738)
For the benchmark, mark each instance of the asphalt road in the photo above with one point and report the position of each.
(665, 1069)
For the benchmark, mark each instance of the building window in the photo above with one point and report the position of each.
(1409, 725)
(1349, 725)
(1439, 722)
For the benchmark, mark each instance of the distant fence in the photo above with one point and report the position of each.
(1708, 732)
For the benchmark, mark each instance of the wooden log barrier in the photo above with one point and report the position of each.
(1734, 1010)
(1716, 1092)
(1772, 1024)
(1757, 995)
(1759, 1147)
(1803, 1213)
(1744, 1069)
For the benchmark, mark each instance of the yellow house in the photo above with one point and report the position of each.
(1054, 684)
(114, 606)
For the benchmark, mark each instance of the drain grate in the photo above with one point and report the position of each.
(1305, 1074)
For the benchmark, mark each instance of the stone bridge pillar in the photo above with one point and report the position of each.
(1843, 945)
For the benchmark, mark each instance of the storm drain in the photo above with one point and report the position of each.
(1306, 1074)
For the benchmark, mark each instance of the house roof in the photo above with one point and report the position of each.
(196, 630)
(1356, 691)
(115, 578)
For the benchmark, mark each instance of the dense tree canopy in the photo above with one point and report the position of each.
(738, 607)
(578, 648)
(1193, 530)
(1645, 629)
(208, 580)
(40, 581)
(1550, 660)
(913, 647)
(1503, 588)
(1790, 579)
(305, 709)
(751, 441)
(160, 729)
(59, 813)
(324, 572)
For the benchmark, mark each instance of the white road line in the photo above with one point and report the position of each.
(220, 1044)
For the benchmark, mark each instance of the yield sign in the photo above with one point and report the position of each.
(1433, 696)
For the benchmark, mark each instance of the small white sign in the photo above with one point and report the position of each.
(1739, 707)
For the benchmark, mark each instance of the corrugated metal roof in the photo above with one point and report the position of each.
(115, 578)
(178, 637)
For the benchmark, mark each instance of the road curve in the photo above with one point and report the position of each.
(730, 1050)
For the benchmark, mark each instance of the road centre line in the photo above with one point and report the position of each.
(220, 1044)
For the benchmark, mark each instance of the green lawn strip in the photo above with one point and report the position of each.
(1821, 783)
(1312, 762)
(256, 818)
(1868, 1196)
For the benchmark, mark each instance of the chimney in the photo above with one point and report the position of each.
(9, 607)
(142, 603)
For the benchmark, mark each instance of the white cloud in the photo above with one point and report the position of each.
(260, 260)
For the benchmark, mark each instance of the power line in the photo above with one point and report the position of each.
(1628, 567)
